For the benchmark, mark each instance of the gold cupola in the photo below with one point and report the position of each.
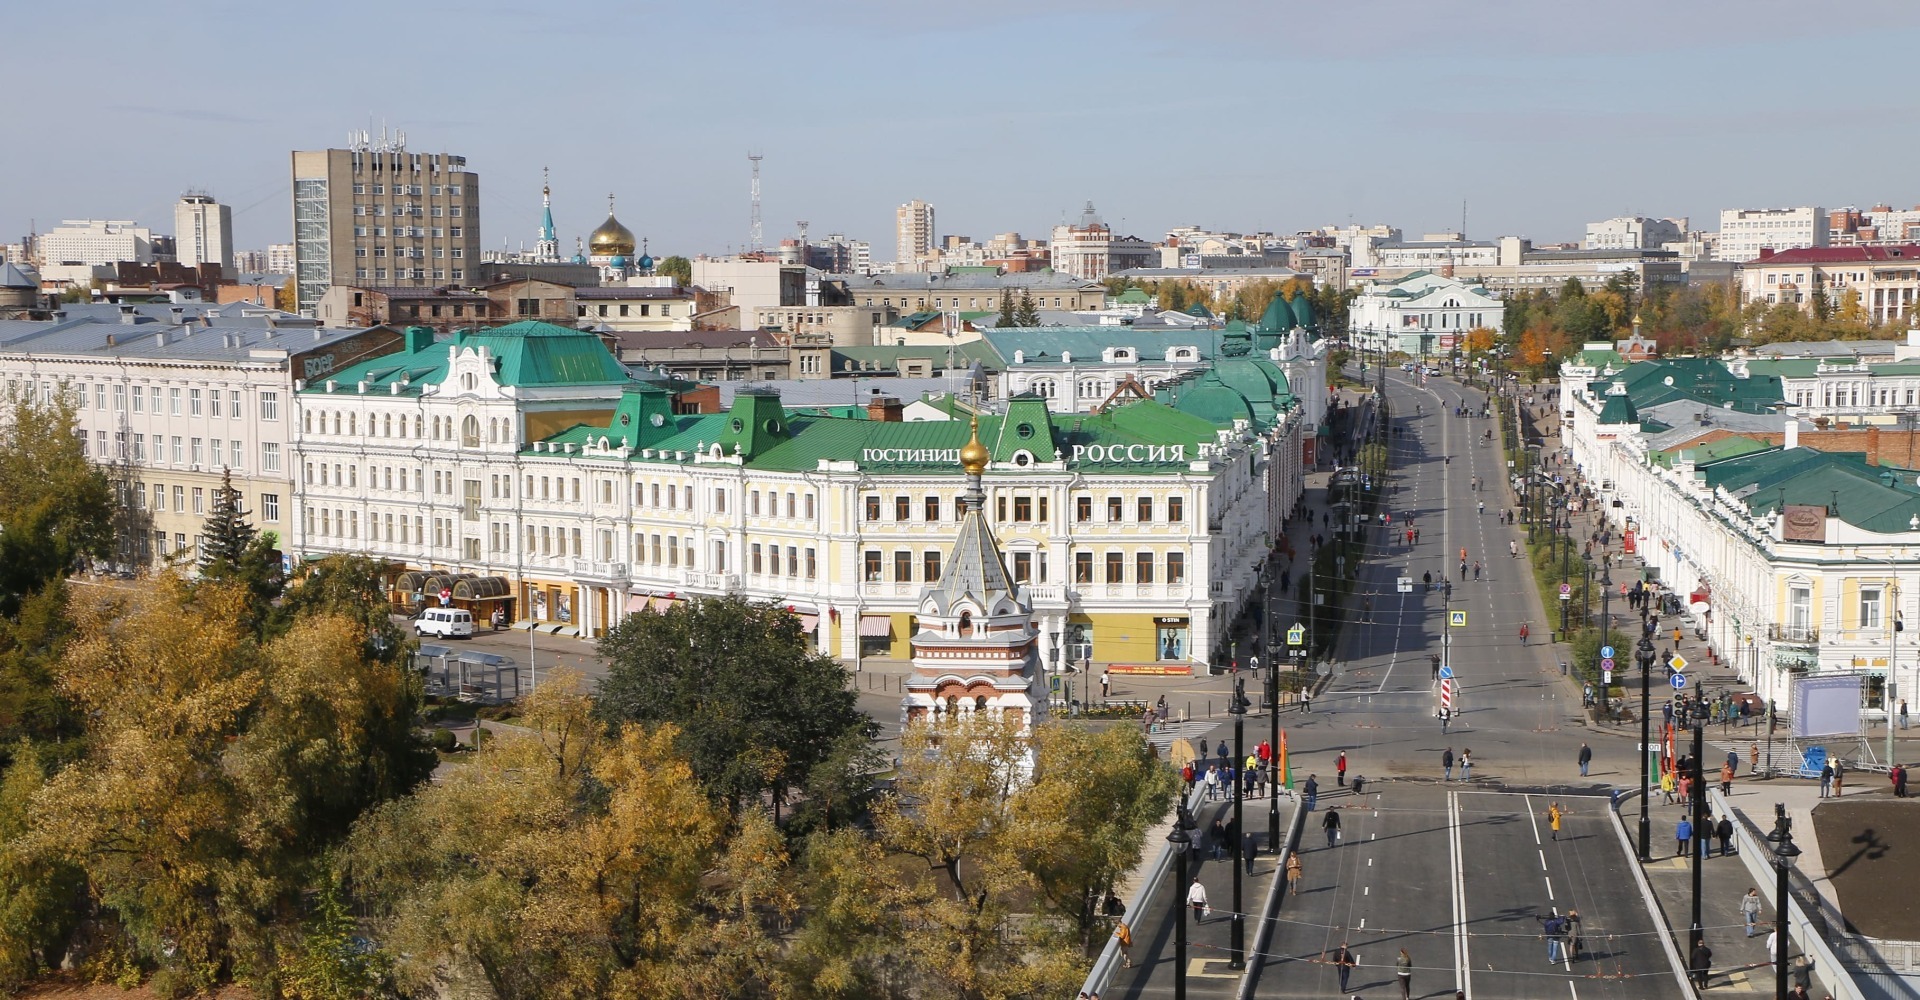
(612, 239)
(974, 456)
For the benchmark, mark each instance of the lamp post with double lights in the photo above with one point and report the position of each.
(1697, 813)
(1237, 949)
(1644, 653)
(1784, 852)
(1181, 842)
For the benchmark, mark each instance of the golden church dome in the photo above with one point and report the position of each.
(612, 239)
(974, 456)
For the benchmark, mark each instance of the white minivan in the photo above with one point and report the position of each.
(445, 622)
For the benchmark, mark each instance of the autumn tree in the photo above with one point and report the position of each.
(755, 706)
(572, 863)
(217, 770)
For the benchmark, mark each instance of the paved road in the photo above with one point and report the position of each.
(1458, 873)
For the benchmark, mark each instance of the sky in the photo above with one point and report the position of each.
(1006, 115)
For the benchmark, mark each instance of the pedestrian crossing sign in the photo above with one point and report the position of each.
(1297, 635)
(1457, 619)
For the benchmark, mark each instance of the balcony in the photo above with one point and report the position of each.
(1800, 634)
(613, 573)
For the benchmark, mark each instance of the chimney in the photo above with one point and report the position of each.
(109, 340)
(1766, 253)
(176, 312)
(127, 314)
(885, 408)
(160, 339)
(1792, 439)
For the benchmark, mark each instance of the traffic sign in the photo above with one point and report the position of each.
(1678, 663)
(1404, 584)
(1606, 663)
(1566, 591)
(1297, 635)
(1606, 676)
(1679, 681)
(1446, 672)
(1606, 652)
(1446, 693)
(1457, 619)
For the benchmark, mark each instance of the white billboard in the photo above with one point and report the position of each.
(1826, 706)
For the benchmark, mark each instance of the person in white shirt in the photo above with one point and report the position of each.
(1197, 898)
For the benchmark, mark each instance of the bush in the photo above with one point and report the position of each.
(443, 740)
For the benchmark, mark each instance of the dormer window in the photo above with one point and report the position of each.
(966, 624)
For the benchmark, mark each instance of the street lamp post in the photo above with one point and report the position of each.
(1644, 653)
(1784, 852)
(1236, 955)
(1696, 811)
(1181, 842)
(1273, 723)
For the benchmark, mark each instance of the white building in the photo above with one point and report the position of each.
(170, 397)
(1885, 279)
(96, 243)
(203, 232)
(1744, 232)
(1633, 232)
(1422, 313)
(1090, 250)
(280, 258)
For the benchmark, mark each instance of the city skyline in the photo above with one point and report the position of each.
(1539, 121)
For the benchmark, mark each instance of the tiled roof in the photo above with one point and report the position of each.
(526, 354)
(1875, 499)
(1907, 253)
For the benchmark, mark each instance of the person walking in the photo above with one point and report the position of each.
(1331, 824)
(1446, 763)
(1466, 765)
(1826, 779)
(1682, 835)
(1403, 967)
(1554, 812)
(1753, 758)
(1446, 716)
(1213, 783)
(1197, 898)
(1750, 909)
(1306, 701)
(1903, 713)
(1217, 836)
(1340, 768)
(1839, 776)
(1553, 928)
(1701, 964)
(1573, 934)
(1249, 846)
(1899, 776)
(1723, 831)
(1344, 961)
(1295, 872)
(1434, 660)
(1106, 685)
(1726, 779)
(1586, 758)
(1124, 935)
(1312, 791)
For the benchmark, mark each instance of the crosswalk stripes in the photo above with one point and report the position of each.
(1167, 732)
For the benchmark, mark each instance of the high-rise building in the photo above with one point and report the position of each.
(375, 214)
(279, 258)
(203, 231)
(914, 237)
(249, 262)
(1745, 232)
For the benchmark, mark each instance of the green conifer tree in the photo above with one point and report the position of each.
(1027, 314)
(227, 532)
(1006, 312)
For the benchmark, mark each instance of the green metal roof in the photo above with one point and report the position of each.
(525, 354)
(1703, 380)
(1868, 497)
(1731, 446)
(1618, 409)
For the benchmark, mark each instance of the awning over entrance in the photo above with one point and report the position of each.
(809, 622)
(875, 626)
(636, 603)
(410, 582)
(438, 582)
(482, 588)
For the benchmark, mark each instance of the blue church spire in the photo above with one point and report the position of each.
(548, 249)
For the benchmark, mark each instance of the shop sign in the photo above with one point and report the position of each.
(1170, 621)
(1128, 453)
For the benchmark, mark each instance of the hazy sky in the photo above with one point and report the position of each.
(1261, 114)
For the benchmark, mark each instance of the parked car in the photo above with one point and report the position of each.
(447, 623)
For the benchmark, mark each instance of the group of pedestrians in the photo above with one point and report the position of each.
(1448, 760)
(1684, 835)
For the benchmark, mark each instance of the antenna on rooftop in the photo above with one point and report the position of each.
(754, 239)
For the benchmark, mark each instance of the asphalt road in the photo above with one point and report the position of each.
(1459, 873)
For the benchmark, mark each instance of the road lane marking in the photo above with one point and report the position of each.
(1550, 894)
(1531, 818)
(1543, 859)
(1570, 989)
(1462, 968)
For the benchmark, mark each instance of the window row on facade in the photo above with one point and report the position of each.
(160, 401)
(1030, 507)
(176, 451)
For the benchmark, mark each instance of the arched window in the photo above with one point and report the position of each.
(470, 432)
(493, 431)
(1042, 387)
(953, 705)
(386, 425)
(980, 703)
(966, 623)
(419, 426)
(468, 381)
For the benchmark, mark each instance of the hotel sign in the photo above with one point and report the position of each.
(1083, 454)
(912, 456)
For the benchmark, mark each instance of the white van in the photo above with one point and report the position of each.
(446, 622)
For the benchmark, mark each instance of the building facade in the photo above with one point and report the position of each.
(914, 234)
(1422, 313)
(1633, 232)
(526, 456)
(1883, 280)
(1089, 250)
(379, 215)
(169, 398)
(203, 231)
(975, 291)
(1744, 232)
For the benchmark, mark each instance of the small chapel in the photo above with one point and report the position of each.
(975, 650)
